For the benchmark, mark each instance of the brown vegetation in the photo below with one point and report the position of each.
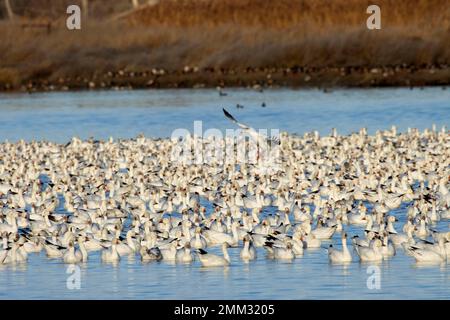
(235, 42)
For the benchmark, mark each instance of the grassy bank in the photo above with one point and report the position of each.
(187, 43)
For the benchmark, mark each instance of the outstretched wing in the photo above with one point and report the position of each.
(229, 116)
(273, 141)
(258, 137)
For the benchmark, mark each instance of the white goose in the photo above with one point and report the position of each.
(198, 241)
(184, 255)
(390, 226)
(323, 233)
(153, 254)
(111, 254)
(387, 248)
(75, 256)
(215, 237)
(360, 218)
(426, 255)
(398, 239)
(212, 260)
(368, 254)
(280, 253)
(337, 256)
(248, 252)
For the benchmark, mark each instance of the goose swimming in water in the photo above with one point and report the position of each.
(248, 252)
(371, 254)
(387, 248)
(198, 242)
(323, 233)
(280, 253)
(130, 197)
(215, 237)
(359, 219)
(111, 254)
(212, 260)
(427, 255)
(184, 255)
(72, 255)
(337, 256)
(153, 254)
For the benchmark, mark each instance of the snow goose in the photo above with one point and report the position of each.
(398, 239)
(53, 250)
(280, 253)
(4, 255)
(215, 237)
(248, 252)
(371, 254)
(323, 233)
(184, 254)
(422, 230)
(387, 248)
(390, 226)
(212, 260)
(170, 251)
(15, 255)
(434, 215)
(198, 241)
(337, 256)
(111, 254)
(360, 218)
(301, 215)
(310, 241)
(153, 254)
(297, 243)
(258, 137)
(92, 244)
(72, 255)
(426, 255)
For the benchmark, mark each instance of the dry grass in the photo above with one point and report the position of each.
(233, 34)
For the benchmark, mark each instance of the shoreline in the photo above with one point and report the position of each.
(255, 78)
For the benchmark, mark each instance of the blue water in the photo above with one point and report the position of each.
(124, 114)
(157, 113)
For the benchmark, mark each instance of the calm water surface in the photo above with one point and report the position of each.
(59, 116)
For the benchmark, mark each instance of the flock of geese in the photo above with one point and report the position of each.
(126, 198)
